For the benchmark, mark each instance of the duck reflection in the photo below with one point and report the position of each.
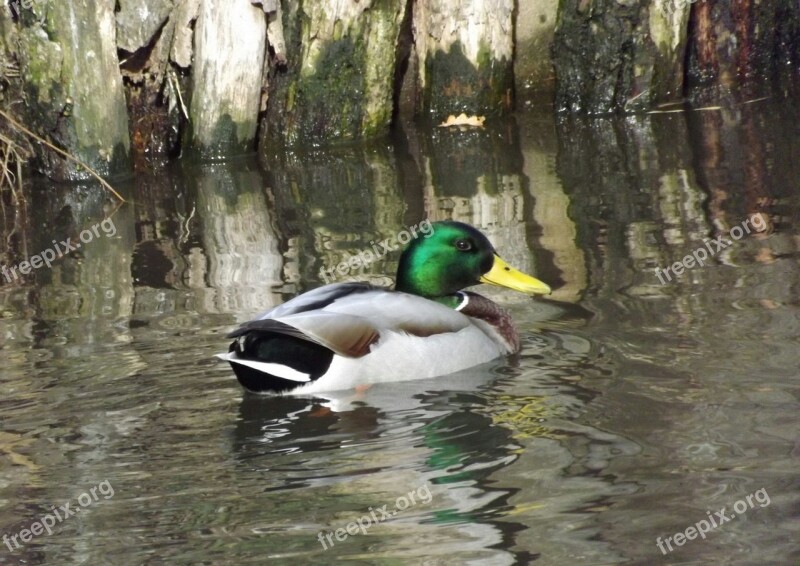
(438, 442)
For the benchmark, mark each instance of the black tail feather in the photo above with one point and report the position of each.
(296, 353)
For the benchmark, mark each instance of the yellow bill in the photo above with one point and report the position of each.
(504, 275)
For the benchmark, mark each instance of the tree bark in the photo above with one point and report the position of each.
(465, 56)
(619, 55)
(733, 43)
(71, 77)
(534, 76)
(229, 50)
(138, 21)
(337, 81)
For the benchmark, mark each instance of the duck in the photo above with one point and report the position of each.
(352, 335)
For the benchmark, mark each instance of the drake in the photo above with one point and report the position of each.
(345, 335)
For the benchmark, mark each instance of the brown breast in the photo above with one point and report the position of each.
(496, 316)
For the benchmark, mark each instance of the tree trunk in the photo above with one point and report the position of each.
(736, 42)
(534, 76)
(70, 73)
(337, 81)
(465, 56)
(229, 49)
(619, 56)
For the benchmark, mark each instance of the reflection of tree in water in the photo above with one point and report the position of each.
(645, 192)
(331, 205)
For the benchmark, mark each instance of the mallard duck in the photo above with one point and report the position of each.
(346, 335)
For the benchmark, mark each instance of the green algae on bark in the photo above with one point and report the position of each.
(70, 73)
(465, 54)
(337, 83)
(454, 84)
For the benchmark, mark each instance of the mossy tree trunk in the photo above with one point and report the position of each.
(70, 73)
(614, 55)
(464, 56)
(332, 68)
(337, 80)
(229, 47)
(628, 55)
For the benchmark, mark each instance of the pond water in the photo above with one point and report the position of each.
(636, 409)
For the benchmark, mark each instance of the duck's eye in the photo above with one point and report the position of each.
(463, 245)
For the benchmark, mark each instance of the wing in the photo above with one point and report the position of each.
(348, 336)
(349, 317)
(317, 299)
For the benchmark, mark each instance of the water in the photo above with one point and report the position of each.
(633, 409)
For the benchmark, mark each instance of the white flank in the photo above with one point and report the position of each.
(401, 357)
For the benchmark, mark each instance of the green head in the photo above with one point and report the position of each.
(452, 256)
